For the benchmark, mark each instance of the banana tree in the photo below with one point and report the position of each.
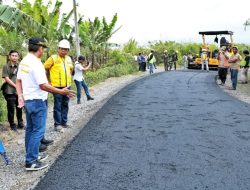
(12, 18)
(95, 34)
(57, 25)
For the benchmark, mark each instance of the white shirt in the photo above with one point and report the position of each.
(32, 74)
(78, 72)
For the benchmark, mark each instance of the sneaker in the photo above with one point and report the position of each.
(36, 166)
(42, 157)
(42, 148)
(46, 142)
(90, 98)
(58, 128)
(78, 101)
(66, 126)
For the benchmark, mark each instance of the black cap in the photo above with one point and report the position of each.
(37, 41)
(81, 58)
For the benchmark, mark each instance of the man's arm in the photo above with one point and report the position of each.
(65, 91)
(19, 90)
(10, 82)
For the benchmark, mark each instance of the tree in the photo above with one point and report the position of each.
(247, 23)
(95, 34)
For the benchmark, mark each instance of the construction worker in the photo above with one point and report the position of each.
(151, 62)
(165, 60)
(175, 58)
(244, 67)
(223, 64)
(204, 59)
(235, 61)
(59, 69)
(185, 61)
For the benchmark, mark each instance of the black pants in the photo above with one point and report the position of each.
(12, 103)
(222, 72)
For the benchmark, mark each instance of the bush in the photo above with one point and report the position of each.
(94, 77)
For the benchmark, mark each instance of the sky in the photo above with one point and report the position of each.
(176, 20)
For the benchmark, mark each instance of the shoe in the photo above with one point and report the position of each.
(13, 127)
(36, 166)
(21, 126)
(58, 128)
(42, 148)
(65, 126)
(42, 157)
(78, 101)
(46, 142)
(89, 98)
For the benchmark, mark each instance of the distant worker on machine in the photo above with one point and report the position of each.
(204, 59)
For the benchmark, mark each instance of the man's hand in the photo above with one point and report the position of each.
(20, 101)
(68, 93)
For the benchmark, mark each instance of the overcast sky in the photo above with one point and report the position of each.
(178, 20)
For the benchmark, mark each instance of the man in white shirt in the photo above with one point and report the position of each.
(79, 79)
(32, 89)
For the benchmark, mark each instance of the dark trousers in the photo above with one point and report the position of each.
(222, 72)
(12, 103)
(61, 109)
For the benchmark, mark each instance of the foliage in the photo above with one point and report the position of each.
(94, 77)
(95, 35)
(14, 19)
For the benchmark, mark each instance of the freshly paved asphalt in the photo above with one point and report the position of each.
(171, 131)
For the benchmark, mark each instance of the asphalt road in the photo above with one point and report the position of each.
(171, 131)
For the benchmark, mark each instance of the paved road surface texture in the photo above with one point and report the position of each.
(170, 131)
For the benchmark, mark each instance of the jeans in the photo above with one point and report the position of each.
(12, 103)
(61, 109)
(203, 62)
(79, 85)
(36, 114)
(151, 68)
(234, 77)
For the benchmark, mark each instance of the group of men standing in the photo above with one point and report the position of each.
(27, 85)
(170, 60)
(233, 61)
(144, 61)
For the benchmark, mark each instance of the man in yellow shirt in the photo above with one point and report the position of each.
(59, 69)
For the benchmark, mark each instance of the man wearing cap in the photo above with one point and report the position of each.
(223, 64)
(79, 79)
(32, 89)
(59, 69)
(204, 59)
(234, 61)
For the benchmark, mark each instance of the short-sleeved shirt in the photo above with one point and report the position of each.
(32, 74)
(237, 63)
(78, 72)
(10, 70)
